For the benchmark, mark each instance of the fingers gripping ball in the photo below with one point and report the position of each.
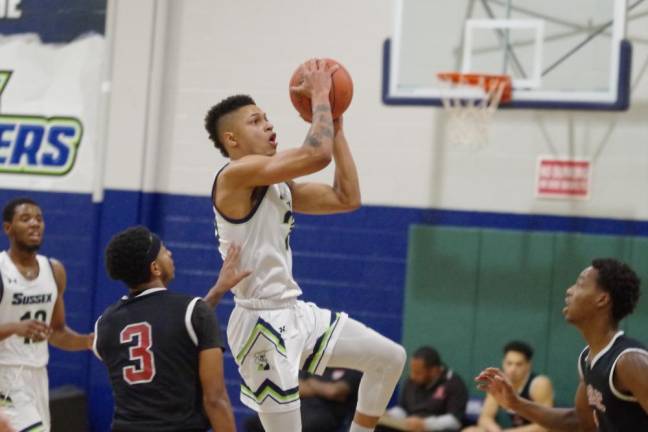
(340, 95)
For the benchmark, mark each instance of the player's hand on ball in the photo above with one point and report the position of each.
(338, 124)
(315, 78)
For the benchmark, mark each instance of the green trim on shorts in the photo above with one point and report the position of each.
(271, 390)
(264, 329)
(314, 359)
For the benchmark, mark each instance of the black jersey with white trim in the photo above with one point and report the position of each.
(516, 419)
(613, 411)
(150, 344)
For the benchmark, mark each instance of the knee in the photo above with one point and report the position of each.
(400, 357)
(393, 358)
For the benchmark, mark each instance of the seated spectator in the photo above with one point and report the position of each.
(433, 398)
(517, 366)
(327, 401)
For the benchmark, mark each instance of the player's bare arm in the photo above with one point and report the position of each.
(583, 411)
(541, 392)
(5, 425)
(62, 336)
(631, 376)
(494, 382)
(486, 420)
(215, 399)
(245, 173)
(228, 277)
(343, 195)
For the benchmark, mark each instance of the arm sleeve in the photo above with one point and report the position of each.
(206, 328)
(397, 412)
(442, 422)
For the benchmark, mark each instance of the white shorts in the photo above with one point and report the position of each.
(271, 346)
(24, 397)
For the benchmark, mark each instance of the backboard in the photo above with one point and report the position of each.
(560, 54)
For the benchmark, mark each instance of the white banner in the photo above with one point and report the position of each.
(49, 101)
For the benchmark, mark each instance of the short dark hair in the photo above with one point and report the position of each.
(429, 355)
(621, 282)
(9, 210)
(127, 256)
(226, 106)
(520, 347)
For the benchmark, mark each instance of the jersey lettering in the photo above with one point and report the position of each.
(21, 299)
(144, 372)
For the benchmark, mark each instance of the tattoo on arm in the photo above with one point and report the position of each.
(322, 126)
(313, 141)
(322, 108)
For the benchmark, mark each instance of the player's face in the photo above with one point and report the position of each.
(516, 366)
(584, 299)
(254, 133)
(165, 263)
(421, 374)
(26, 228)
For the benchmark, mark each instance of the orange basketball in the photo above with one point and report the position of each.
(340, 95)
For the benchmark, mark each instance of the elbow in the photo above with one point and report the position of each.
(355, 203)
(351, 203)
(215, 401)
(321, 158)
(318, 159)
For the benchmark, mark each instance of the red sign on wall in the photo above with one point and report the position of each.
(563, 178)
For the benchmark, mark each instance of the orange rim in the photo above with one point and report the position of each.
(487, 81)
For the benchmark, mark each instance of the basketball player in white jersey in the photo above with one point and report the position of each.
(31, 313)
(272, 334)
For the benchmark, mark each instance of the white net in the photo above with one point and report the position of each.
(469, 118)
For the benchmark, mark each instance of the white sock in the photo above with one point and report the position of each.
(357, 428)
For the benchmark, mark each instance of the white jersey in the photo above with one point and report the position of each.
(23, 299)
(265, 244)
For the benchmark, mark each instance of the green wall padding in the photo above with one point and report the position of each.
(469, 291)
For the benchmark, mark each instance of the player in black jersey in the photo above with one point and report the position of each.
(613, 392)
(163, 350)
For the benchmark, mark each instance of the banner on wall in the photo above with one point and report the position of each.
(51, 58)
(563, 178)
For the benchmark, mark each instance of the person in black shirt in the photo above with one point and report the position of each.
(612, 395)
(327, 401)
(163, 350)
(434, 397)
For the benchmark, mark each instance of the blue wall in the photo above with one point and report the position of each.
(354, 262)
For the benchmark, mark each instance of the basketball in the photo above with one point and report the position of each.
(340, 95)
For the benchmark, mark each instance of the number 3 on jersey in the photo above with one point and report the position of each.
(144, 372)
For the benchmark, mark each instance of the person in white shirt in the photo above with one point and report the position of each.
(32, 312)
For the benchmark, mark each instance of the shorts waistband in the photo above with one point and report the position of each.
(252, 303)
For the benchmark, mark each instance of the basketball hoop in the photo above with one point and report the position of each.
(469, 114)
